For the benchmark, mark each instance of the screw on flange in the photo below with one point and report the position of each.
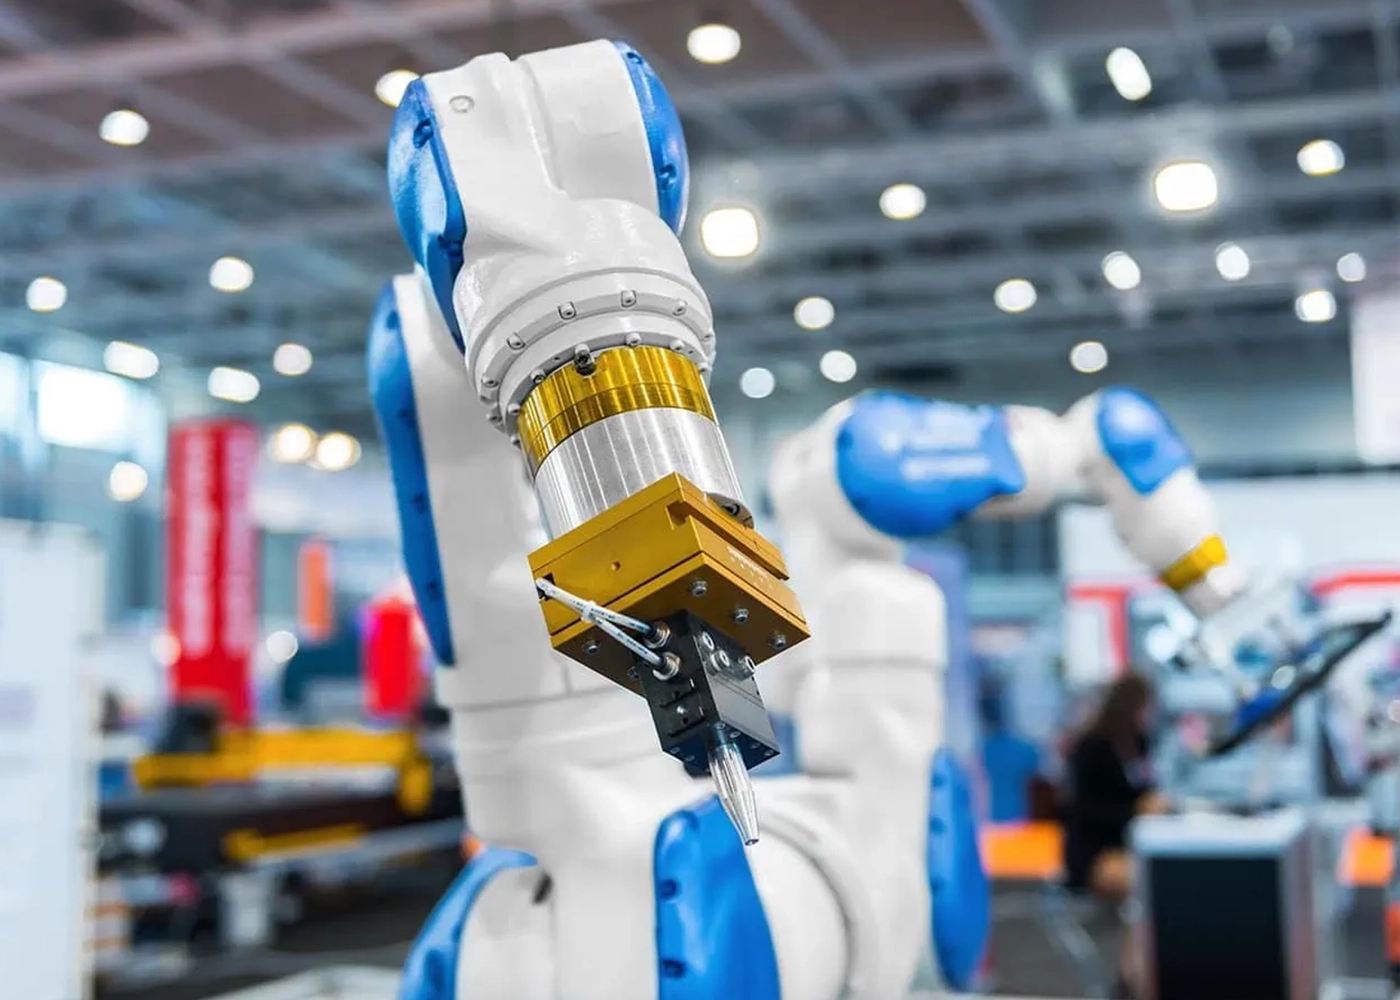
(515, 343)
(629, 298)
(699, 588)
(633, 340)
(537, 376)
(779, 641)
(707, 640)
(678, 346)
(747, 666)
(584, 362)
(567, 311)
(461, 104)
(679, 309)
(740, 615)
(591, 646)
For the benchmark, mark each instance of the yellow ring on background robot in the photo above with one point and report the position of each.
(1191, 568)
(624, 379)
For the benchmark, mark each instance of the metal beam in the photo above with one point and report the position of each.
(817, 46)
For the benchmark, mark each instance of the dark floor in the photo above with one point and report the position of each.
(379, 928)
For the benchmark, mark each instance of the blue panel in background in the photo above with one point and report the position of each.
(914, 467)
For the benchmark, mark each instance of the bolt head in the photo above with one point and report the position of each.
(740, 615)
(515, 343)
(629, 299)
(678, 346)
(591, 646)
(537, 376)
(679, 310)
(707, 640)
(567, 311)
(513, 410)
(633, 340)
(779, 641)
(748, 666)
(699, 588)
(461, 103)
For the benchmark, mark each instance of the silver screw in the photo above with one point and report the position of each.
(513, 410)
(489, 383)
(678, 346)
(704, 367)
(747, 665)
(740, 615)
(707, 640)
(591, 646)
(567, 311)
(515, 440)
(515, 343)
(698, 588)
(495, 417)
(778, 641)
(537, 376)
(723, 658)
(632, 673)
(629, 299)
(633, 340)
(461, 104)
(679, 310)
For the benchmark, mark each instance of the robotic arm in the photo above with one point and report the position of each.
(541, 198)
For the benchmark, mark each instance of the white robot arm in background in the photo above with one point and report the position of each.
(611, 873)
(882, 468)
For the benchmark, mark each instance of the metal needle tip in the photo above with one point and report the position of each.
(735, 790)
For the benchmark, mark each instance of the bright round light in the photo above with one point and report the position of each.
(292, 443)
(713, 44)
(124, 127)
(814, 313)
(234, 385)
(46, 295)
(1015, 296)
(1321, 158)
(1128, 74)
(729, 232)
(390, 87)
(1351, 268)
(1121, 271)
(337, 452)
(838, 366)
(757, 383)
(281, 646)
(1316, 306)
(126, 482)
(1186, 186)
(130, 360)
(231, 274)
(165, 649)
(1088, 357)
(291, 360)
(1232, 262)
(903, 201)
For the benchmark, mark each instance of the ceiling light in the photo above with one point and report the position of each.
(1232, 262)
(1121, 271)
(757, 383)
(1088, 357)
(1186, 186)
(1321, 158)
(390, 87)
(713, 43)
(729, 232)
(231, 274)
(1351, 268)
(903, 201)
(1015, 296)
(814, 313)
(1316, 306)
(45, 295)
(126, 482)
(838, 366)
(281, 646)
(1128, 74)
(292, 443)
(337, 452)
(124, 127)
(291, 360)
(131, 360)
(234, 385)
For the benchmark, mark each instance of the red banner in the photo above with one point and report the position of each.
(212, 563)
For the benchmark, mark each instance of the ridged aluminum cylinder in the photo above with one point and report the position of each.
(608, 461)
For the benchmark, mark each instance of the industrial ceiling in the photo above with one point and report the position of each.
(265, 144)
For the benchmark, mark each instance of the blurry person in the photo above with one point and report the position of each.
(1110, 782)
(1010, 761)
